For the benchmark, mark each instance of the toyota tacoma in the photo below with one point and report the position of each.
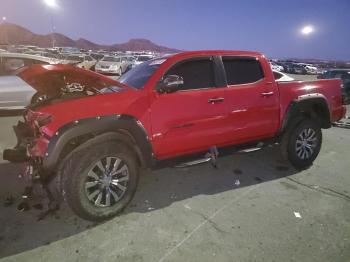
(88, 136)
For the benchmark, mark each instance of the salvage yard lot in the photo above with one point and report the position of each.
(246, 210)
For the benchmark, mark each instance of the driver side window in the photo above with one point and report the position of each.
(197, 74)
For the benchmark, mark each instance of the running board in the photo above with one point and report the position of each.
(249, 150)
(193, 163)
(213, 154)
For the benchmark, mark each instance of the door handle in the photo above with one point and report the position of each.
(267, 93)
(216, 100)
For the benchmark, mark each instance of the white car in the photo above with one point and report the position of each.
(15, 94)
(312, 70)
(276, 67)
(82, 61)
(282, 77)
(112, 65)
(142, 58)
(10, 62)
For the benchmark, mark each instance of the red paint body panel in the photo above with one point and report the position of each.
(328, 89)
(184, 122)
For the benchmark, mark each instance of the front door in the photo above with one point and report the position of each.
(189, 120)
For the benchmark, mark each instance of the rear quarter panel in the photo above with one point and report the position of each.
(330, 90)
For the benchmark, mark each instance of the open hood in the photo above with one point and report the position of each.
(50, 79)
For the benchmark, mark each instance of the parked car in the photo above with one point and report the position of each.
(141, 58)
(276, 67)
(281, 77)
(310, 69)
(293, 68)
(10, 62)
(130, 60)
(82, 61)
(96, 56)
(42, 53)
(162, 112)
(15, 93)
(344, 75)
(112, 65)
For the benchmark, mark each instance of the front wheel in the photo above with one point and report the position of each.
(302, 144)
(100, 180)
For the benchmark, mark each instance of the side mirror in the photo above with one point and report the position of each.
(170, 84)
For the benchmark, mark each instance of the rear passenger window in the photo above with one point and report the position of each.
(196, 74)
(242, 70)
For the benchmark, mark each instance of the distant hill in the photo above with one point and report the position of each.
(11, 34)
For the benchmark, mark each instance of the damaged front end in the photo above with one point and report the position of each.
(31, 144)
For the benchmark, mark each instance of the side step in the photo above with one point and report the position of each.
(193, 163)
(213, 154)
(251, 149)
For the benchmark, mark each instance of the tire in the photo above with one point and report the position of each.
(91, 189)
(302, 143)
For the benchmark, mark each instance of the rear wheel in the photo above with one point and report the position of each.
(100, 180)
(302, 144)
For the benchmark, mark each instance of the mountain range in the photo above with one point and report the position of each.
(12, 34)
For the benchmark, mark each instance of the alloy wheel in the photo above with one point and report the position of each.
(306, 143)
(107, 181)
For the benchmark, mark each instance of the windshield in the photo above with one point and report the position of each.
(138, 76)
(111, 59)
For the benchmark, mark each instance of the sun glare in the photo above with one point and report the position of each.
(306, 30)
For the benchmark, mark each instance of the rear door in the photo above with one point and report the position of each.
(191, 119)
(252, 99)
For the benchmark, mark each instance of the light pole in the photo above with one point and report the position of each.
(52, 4)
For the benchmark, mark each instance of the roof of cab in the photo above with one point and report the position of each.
(216, 53)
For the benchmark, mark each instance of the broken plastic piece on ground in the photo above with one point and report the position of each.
(297, 215)
(237, 182)
(187, 206)
(23, 206)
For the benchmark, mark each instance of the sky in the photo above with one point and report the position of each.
(272, 27)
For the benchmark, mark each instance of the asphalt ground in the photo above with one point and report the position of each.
(254, 207)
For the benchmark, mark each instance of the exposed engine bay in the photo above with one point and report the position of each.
(64, 82)
(69, 91)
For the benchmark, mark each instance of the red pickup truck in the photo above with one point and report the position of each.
(87, 135)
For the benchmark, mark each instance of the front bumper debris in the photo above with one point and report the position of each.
(25, 137)
(16, 155)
